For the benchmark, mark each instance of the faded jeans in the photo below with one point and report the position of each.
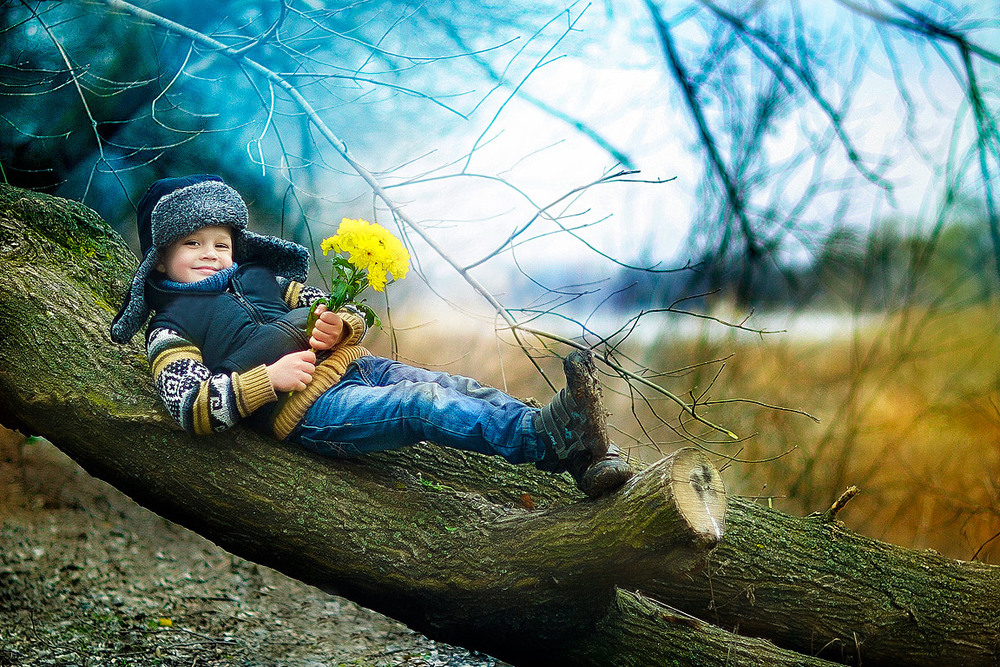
(380, 404)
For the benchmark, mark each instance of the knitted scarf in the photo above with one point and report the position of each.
(217, 282)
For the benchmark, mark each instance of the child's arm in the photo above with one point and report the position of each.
(298, 295)
(203, 403)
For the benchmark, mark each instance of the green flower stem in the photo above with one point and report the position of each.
(353, 284)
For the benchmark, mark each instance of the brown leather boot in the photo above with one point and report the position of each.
(605, 474)
(596, 467)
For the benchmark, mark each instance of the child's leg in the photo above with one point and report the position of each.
(382, 404)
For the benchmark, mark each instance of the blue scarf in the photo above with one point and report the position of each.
(217, 282)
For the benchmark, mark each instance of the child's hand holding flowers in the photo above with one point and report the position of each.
(371, 252)
(327, 330)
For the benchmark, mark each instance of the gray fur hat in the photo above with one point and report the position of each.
(171, 209)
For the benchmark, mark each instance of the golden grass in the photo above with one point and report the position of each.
(909, 412)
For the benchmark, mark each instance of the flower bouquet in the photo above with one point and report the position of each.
(364, 253)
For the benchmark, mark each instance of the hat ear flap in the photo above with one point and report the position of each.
(134, 311)
(285, 258)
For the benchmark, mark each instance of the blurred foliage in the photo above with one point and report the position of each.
(775, 101)
(853, 270)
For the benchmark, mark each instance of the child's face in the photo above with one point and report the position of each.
(198, 255)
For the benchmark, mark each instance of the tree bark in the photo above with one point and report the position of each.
(444, 540)
(813, 584)
(661, 635)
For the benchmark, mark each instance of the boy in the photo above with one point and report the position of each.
(227, 342)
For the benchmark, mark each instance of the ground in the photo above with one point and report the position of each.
(89, 578)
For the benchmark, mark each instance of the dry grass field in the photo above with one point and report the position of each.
(907, 407)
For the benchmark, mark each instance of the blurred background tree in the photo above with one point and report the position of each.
(782, 124)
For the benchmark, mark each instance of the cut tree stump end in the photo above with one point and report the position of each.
(699, 492)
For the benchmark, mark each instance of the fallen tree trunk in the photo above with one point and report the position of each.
(813, 584)
(660, 635)
(447, 560)
(441, 539)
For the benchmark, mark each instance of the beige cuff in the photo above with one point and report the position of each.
(292, 293)
(253, 390)
(328, 373)
(356, 328)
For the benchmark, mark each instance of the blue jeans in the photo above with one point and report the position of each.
(380, 404)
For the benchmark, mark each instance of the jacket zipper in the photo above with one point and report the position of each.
(248, 306)
(237, 293)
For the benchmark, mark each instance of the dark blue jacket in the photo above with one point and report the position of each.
(238, 329)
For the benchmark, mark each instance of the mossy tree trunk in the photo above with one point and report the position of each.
(441, 539)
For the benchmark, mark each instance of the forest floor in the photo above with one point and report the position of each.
(89, 578)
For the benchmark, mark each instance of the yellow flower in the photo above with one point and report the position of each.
(364, 255)
(327, 245)
(370, 248)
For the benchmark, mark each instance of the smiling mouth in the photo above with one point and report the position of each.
(206, 269)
